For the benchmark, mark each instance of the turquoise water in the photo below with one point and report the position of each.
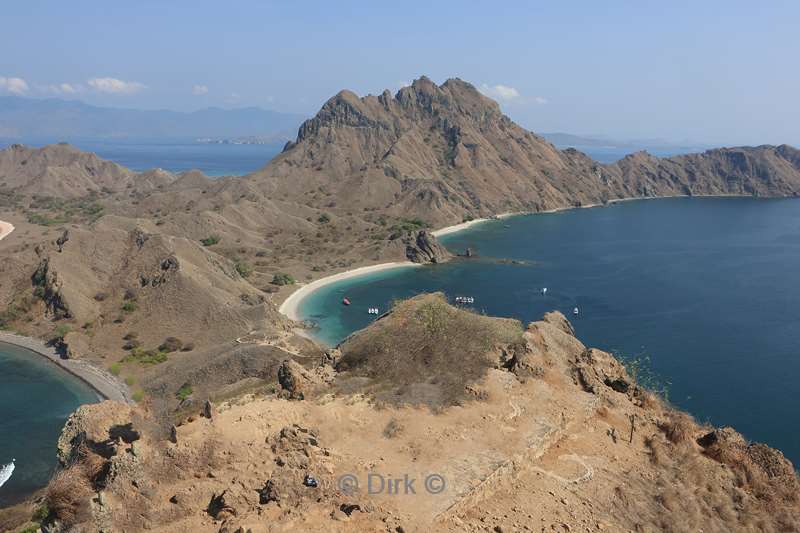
(707, 289)
(36, 398)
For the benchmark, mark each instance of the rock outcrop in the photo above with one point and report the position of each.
(423, 247)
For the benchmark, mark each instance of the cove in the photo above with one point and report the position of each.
(705, 290)
(36, 398)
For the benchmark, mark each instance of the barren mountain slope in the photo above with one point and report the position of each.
(546, 436)
(63, 171)
(447, 152)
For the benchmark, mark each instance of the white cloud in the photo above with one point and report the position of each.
(200, 90)
(115, 86)
(13, 85)
(60, 88)
(507, 94)
(500, 92)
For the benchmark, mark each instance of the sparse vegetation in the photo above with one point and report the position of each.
(145, 357)
(115, 369)
(244, 269)
(324, 218)
(129, 306)
(211, 240)
(184, 392)
(281, 278)
(427, 351)
(138, 396)
(171, 344)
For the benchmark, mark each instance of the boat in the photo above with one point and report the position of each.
(576, 311)
(345, 301)
(544, 290)
(6, 471)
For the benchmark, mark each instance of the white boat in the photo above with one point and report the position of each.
(544, 290)
(576, 312)
(6, 471)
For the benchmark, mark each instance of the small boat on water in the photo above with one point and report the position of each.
(373, 311)
(544, 290)
(6, 471)
(465, 299)
(576, 311)
(346, 301)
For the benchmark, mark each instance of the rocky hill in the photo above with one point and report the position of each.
(447, 152)
(65, 172)
(542, 435)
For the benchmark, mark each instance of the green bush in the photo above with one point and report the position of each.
(138, 396)
(129, 306)
(281, 278)
(145, 357)
(130, 381)
(211, 240)
(184, 392)
(244, 269)
(115, 369)
(324, 218)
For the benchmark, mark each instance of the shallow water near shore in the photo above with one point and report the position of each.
(704, 289)
(36, 398)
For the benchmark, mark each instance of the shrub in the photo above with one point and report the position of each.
(129, 306)
(101, 296)
(60, 332)
(138, 396)
(67, 495)
(244, 269)
(324, 218)
(130, 381)
(115, 369)
(145, 357)
(171, 344)
(281, 278)
(131, 344)
(184, 392)
(211, 240)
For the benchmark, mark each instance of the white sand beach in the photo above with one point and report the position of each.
(5, 229)
(291, 305)
(464, 225)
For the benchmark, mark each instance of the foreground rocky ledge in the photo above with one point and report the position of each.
(504, 428)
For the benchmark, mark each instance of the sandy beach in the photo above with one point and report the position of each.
(104, 384)
(5, 229)
(291, 305)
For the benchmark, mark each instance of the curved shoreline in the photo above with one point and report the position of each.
(291, 305)
(101, 382)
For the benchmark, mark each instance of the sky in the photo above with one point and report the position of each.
(707, 72)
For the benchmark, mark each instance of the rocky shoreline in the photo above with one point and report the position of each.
(103, 383)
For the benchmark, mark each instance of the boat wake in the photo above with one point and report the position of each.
(6, 471)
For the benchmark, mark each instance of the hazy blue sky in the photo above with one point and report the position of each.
(721, 72)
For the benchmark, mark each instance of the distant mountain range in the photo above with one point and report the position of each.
(569, 140)
(58, 120)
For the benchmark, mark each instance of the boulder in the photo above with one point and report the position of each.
(424, 248)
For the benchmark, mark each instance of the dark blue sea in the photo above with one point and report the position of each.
(36, 398)
(704, 292)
